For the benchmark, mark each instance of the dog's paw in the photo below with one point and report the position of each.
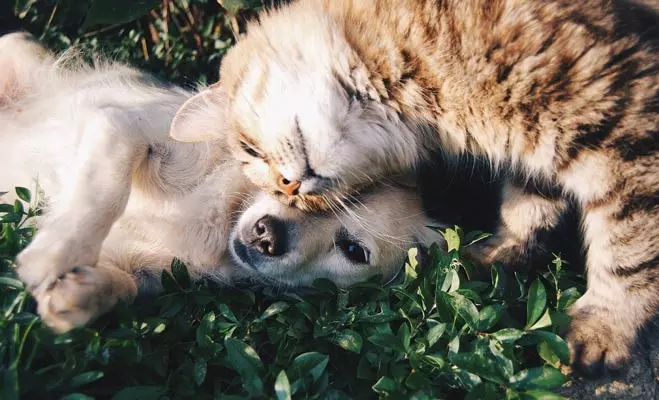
(598, 345)
(46, 259)
(76, 298)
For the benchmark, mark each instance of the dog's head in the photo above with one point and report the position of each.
(370, 236)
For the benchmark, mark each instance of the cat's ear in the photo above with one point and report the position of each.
(203, 117)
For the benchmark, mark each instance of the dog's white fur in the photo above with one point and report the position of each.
(123, 199)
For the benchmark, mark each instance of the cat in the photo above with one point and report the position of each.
(122, 200)
(327, 96)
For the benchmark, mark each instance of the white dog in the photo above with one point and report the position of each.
(122, 199)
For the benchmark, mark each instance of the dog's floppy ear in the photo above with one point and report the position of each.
(203, 117)
(21, 57)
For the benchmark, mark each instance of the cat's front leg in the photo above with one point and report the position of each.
(94, 193)
(525, 213)
(623, 285)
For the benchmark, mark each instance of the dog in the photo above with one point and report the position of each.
(121, 199)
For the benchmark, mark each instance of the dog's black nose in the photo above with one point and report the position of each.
(269, 236)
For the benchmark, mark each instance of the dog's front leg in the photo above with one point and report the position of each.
(95, 189)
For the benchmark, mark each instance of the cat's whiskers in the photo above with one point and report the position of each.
(363, 223)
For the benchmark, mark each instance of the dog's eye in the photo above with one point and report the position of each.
(354, 251)
(249, 149)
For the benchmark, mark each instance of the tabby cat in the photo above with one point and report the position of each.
(328, 95)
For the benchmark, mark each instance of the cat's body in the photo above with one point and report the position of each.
(122, 200)
(564, 93)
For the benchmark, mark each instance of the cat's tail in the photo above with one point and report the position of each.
(21, 59)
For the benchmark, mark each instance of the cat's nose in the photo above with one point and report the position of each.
(290, 187)
(269, 237)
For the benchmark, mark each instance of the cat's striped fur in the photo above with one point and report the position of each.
(328, 95)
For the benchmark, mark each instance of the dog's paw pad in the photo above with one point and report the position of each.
(75, 298)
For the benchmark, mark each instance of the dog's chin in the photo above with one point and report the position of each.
(249, 259)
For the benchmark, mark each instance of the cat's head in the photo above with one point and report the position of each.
(283, 246)
(302, 116)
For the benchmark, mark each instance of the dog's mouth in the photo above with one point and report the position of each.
(241, 252)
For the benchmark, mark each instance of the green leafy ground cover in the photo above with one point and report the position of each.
(449, 330)
(437, 334)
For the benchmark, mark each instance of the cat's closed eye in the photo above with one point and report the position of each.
(250, 150)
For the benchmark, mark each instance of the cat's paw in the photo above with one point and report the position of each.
(77, 297)
(500, 248)
(598, 344)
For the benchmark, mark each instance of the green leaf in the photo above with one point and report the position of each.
(348, 340)
(244, 360)
(435, 360)
(499, 281)
(541, 395)
(412, 255)
(10, 384)
(21, 8)
(325, 285)
(417, 380)
(76, 396)
(311, 363)
(114, 12)
(567, 298)
(226, 312)
(389, 341)
(508, 335)
(235, 6)
(557, 345)
(282, 386)
(404, 336)
(200, 369)
(466, 310)
(180, 273)
(505, 363)
(85, 378)
(536, 302)
(274, 309)
(385, 385)
(140, 392)
(485, 390)
(474, 237)
(543, 322)
(538, 378)
(435, 332)
(452, 238)
(546, 353)
(479, 365)
(454, 345)
(23, 194)
(168, 282)
(451, 281)
(489, 316)
(11, 282)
